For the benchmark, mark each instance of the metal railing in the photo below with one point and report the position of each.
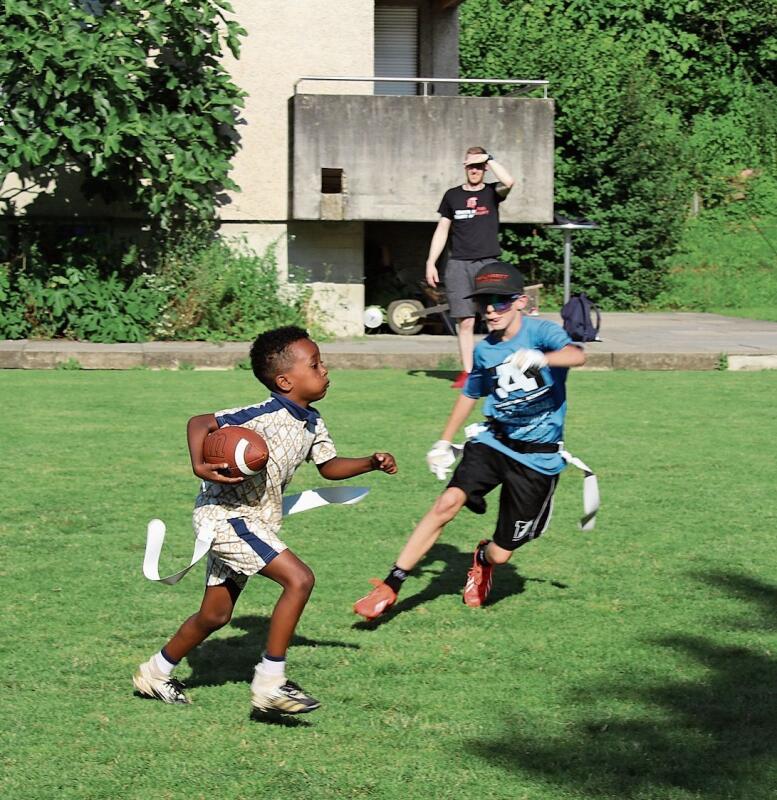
(522, 84)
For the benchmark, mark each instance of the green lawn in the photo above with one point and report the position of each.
(635, 661)
(725, 268)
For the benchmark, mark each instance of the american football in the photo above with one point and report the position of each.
(242, 448)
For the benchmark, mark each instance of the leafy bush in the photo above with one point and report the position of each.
(743, 137)
(78, 297)
(216, 289)
(194, 285)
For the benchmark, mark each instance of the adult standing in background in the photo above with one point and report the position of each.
(469, 213)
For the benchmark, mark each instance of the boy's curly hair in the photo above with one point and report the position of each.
(270, 353)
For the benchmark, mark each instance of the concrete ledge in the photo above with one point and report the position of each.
(435, 361)
(597, 361)
(634, 342)
(117, 360)
(10, 355)
(666, 361)
(200, 355)
(752, 362)
(31, 354)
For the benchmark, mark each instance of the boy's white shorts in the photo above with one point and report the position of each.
(241, 548)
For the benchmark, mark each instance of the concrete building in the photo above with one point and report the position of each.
(344, 176)
(359, 167)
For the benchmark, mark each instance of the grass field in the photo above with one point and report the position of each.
(726, 268)
(635, 661)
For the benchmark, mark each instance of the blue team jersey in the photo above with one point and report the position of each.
(526, 407)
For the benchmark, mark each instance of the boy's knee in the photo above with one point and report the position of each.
(302, 580)
(449, 503)
(213, 619)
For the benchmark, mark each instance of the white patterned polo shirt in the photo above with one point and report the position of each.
(246, 517)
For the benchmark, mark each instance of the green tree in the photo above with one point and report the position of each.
(619, 151)
(716, 62)
(132, 93)
(704, 52)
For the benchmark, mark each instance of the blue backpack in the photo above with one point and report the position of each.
(576, 314)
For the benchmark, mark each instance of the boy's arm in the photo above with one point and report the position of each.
(568, 356)
(338, 469)
(196, 431)
(441, 458)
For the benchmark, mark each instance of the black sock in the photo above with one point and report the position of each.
(481, 557)
(395, 578)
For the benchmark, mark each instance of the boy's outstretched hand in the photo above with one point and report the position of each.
(384, 462)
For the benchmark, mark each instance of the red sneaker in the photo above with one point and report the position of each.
(376, 602)
(460, 380)
(478, 584)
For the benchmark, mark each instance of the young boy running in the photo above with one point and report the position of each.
(520, 368)
(246, 516)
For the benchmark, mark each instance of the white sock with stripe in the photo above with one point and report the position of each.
(272, 667)
(163, 664)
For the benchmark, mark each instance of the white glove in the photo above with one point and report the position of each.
(473, 430)
(441, 458)
(524, 360)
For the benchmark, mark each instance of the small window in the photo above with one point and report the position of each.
(331, 180)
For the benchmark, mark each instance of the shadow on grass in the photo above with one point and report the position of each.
(232, 660)
(279, 720)
(714, 738)
(450, 580)
(448, 375)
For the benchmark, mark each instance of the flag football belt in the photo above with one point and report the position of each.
(523, 447)
(590, 481)
(292, 504)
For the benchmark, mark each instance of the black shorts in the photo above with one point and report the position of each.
(526, 499)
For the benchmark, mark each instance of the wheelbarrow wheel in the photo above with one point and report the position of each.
(403, 317)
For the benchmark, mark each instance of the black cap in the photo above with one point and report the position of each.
(498, 278)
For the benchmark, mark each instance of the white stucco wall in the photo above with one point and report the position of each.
(338, 308)
(285, 41)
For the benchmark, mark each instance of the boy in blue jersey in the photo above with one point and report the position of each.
(244, 514)
(520, 368)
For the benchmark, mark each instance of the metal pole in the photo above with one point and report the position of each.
(526, 84)
(567, 263)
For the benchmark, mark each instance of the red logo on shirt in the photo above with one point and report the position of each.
(472, 202)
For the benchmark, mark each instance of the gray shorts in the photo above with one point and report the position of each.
(460, 281)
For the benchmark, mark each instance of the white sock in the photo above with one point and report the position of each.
(162, 664)
(272, 668)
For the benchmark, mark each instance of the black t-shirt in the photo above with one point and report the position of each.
(475, 221)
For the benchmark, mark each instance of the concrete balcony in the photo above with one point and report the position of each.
(390, 158)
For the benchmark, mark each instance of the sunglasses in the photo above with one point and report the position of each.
(499, 302)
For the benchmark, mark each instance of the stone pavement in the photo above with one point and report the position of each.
(661, 341)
